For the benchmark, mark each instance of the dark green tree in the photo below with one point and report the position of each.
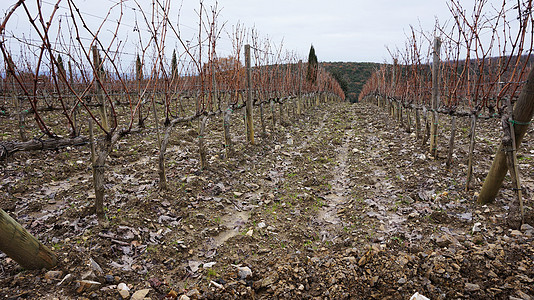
(174, 65)
(60, 65)
(313, 65)
(138, 68)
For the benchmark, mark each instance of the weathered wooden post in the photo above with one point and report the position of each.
(395, 108)
(18, 100)
(75, 111)
(426, 134)
(250, 124)
(471, 149)
(227, 136)
(273, 115)
(522, 115)
(451, 142)
(417, 124)
(201, 146)
(435, 99)
(262, 118)
(408, 121)
(23, 247)
(510, 148)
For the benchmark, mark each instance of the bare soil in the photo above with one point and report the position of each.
(338, 203)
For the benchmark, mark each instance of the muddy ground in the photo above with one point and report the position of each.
(342, 203)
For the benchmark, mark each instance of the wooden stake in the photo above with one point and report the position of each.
(511, 158)
(23, 247)
(273, 114)
(262, 119)
(417, 124)
(435, 99)
(98, 176)
(227, 136)
(22, 131)
(250, 124)
(139, 78)
(427, 127)
(201, 147)
(408, 121)
(471, 150)
(280, 106)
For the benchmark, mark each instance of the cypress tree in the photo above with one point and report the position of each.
(174, 65)
(60, 65)
(313, 64)
(139, 68)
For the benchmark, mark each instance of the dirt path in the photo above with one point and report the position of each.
(341, 204)
(340, 191)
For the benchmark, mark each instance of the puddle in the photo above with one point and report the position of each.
(235, 223)
(49, 192)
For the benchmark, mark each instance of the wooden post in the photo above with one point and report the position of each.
(273, 113)
(426, 134)
(23, 247)
(510, 148)
(408, 121)
(20, 112)
(16, 99)
(161, 157)
(103, 149)
(71, 75)
(227, 136)
(280, 106)
(77, 128)
(262, 119)
(471, 149)
(139, 79)
(201, 146)
(214, 94)
(250, 124)
(400, 113)
(395, 104)
(435, 99)
(98, 88)
(417, 124)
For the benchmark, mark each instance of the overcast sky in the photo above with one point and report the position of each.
(356, 30)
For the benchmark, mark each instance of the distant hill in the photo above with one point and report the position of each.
(353, 74)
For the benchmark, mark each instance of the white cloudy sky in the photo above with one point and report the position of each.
(357, 30)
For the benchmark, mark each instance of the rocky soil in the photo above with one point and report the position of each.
(337, 203)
